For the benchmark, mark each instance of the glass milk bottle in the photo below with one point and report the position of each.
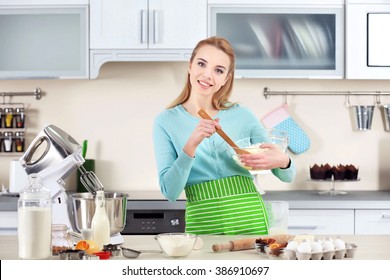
(100, 223)
(34, 220)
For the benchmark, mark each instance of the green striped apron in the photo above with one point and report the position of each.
(225, 206)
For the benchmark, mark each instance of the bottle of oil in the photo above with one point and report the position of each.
(100, 222)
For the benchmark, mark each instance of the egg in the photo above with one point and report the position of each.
(339, 244)
(292, 245)
(327, 245)
(316, 247)
(304, 247)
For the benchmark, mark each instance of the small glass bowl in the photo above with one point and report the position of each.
(176, 244)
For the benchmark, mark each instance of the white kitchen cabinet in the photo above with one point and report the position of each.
(44, 42)
(367, 39)
(372, 221)
(282, 39)
(145, 30)
(8, 222)
(332, 222)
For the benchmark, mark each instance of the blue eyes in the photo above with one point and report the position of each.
(217, 70)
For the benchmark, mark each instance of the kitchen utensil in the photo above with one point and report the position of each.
(84, 149)
(90, 181)
(362, 116)
(82, 208)
(176, 244)
(133, 254)
(385, 112)
(248, 243)
(239, 151)
(277, 216)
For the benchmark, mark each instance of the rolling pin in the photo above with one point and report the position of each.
(236, 245)
(248, 243)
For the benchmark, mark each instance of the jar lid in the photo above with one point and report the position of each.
(19, 133)
(8, 110)
(8, 133)
(19, 110)
(35, 189)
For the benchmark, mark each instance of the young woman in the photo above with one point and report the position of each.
(221, 195)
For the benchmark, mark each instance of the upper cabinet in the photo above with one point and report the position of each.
(145, 30)
(43, 42)
(367, 39)
(283, 40)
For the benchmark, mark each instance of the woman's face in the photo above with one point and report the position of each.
(209, 70)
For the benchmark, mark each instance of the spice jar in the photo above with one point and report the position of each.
(34, 220)
(19, 141)
(61, 239)
(1, 117)
(8, 117)
(19, 117)
(8, 141)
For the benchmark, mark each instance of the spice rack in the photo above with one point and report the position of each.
(12, 124)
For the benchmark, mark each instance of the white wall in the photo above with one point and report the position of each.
(116, 111)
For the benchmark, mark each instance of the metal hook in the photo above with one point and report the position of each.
(347, 103)
(378, 99)
(285, 98)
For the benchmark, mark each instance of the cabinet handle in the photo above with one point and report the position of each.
(144, 26)
(156, 33)
(303, 227)
(385, 216)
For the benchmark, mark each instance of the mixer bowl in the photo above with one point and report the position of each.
(81, 208)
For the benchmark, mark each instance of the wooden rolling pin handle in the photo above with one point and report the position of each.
(222, 247)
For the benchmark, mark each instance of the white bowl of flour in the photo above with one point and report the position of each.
(176, 244)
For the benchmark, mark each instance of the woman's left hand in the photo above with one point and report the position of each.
(271, 158)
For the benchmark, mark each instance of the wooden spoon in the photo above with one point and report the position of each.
(239, 151)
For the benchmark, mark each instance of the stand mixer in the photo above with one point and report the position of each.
(54, 154)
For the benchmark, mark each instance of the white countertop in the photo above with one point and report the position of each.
(370, 247)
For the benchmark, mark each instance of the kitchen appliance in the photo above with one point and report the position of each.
(54, 154)
(18, 178)
(149, 213)
(82, 209)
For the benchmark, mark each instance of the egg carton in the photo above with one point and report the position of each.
(348, 252)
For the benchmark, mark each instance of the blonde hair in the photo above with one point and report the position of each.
(221, 97)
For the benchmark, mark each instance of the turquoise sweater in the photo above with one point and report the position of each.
(212, 160)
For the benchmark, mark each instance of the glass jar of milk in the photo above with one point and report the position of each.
(34, 220)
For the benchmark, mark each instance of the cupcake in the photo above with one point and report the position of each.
(321, 172)
(351, 172)
(339, 172)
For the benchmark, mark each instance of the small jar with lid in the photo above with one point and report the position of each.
(61, 239)
(8, 142)
(1, 117)
(19, 141)
(19, 117)
(8, 117)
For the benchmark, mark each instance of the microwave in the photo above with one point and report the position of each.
(367, 39)
(282, 40)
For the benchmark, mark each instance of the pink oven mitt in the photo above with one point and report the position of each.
(298, 141)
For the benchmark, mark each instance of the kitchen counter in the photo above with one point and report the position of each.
(297, 200)
(370, 247)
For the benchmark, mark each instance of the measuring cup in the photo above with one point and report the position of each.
(277, 217)
(133, 254)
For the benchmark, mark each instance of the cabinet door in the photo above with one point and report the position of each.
(372, 222)
(367, 40)
(118, 24)
(321, 222)
(8, 222)
(142, 24)
(279, 41)
(177, 24)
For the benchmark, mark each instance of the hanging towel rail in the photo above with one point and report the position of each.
(37, 93)
(267, 93)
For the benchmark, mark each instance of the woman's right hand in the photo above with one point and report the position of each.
(204, 129)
